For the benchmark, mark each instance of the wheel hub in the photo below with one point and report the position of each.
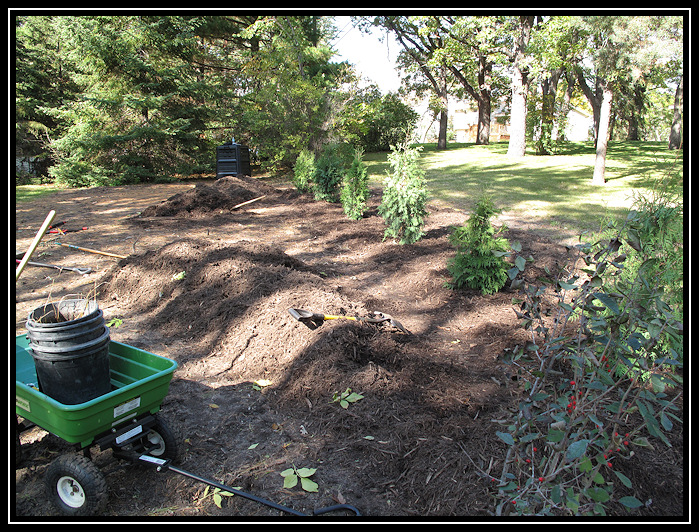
(70, 492)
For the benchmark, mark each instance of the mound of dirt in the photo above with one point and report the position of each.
(224, 195)
(210, 287)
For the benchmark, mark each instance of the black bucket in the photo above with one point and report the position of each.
(70, 348)
(57, 315)
(66, 333)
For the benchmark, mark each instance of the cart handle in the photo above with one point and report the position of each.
(165, 465)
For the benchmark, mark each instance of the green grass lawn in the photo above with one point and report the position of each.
(33, 191)
(555, 190)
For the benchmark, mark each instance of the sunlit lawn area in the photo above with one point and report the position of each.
(555, 189)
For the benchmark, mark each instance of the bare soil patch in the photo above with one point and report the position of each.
(429, 395)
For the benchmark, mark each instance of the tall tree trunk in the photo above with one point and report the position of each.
(549, 87)
(444, 111)
(636, 115)
(602, 135)
(483, 130)
(676, 129)
(485, 70)
(482, 96)
(443, 122)
(595, 98)
(518, 114)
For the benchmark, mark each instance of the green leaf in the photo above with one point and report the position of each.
(287, 472)
(585, 465)
(290, 481)
(665, 422)
(598, 494)
(624, 479)
(520, 263)
(567, 286)
(631, 502)
(576, 449)
(608, 302)
(308, 485)
(354, 397)
(555, 436)
(506, 437)
(114, 322)
(305, 472)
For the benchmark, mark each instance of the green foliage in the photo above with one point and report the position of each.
(292, 476)
(389, 123)
(479, 263)
(330, 168)
(580, 415)
(304, 171)
(652, 252)
(346, 398)
(403, 205)
(355, 189)
(216, 494)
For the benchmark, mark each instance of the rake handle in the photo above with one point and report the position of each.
(34, 244)
(92, 250)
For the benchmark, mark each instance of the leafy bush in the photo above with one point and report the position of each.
(355, 190)
(330, 169)
(652, 250)
(389, 122)
(580, 415)
(404, 196)
(479, 263)
(304, 171)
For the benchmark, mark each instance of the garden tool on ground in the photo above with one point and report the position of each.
(315, 319)
(34, 244)
(91, 250)
(81, 271)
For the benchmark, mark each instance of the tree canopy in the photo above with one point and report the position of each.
(114, 99)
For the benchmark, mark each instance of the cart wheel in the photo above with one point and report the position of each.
(76, 485)
(165, 437)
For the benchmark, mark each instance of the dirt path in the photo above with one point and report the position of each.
(427, 396)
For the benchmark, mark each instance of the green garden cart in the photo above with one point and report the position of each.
(126, 420)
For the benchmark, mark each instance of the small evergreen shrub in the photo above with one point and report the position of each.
(403, 205)
(304, 171)
(479, 263)
(330, 169)
(355, 189)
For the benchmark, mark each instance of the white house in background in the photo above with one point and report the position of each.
(463, 121)
(579, 126)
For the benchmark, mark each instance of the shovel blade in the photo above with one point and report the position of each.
(309, 319)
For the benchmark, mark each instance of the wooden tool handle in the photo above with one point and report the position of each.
(34, 244)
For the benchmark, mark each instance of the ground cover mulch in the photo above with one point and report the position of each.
(209, 283)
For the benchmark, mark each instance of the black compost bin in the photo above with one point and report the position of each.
(232, 159)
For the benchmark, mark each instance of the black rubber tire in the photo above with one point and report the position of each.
(76, 486)
(168, 437)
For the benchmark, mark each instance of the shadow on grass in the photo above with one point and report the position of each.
(556, 187)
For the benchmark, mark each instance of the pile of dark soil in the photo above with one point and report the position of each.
(253, 391)
(223, 195)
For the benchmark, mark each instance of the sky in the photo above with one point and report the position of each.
(372, 59)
